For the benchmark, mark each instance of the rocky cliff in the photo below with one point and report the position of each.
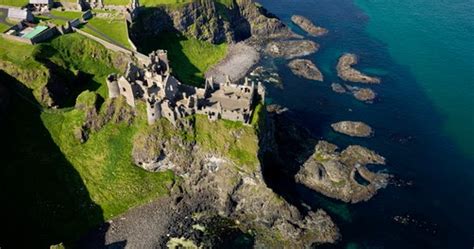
(220, 191)
(211, 21)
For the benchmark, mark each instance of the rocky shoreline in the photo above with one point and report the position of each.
(308, 26)
(240, 58)
(347, 73)
(306, 69)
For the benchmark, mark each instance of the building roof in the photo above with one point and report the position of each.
(36, 31)
(15, 13)
(41, 1)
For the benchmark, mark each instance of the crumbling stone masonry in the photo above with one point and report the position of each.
(166, 97)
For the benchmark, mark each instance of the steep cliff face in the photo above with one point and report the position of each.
(211, 21)
(220, 179)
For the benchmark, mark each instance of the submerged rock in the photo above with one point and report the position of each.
(353, 128)
(306, 25)
(306, 69)
(338, 88)
(347, 73)
(291, 49)
(334, 174)
(266, 74)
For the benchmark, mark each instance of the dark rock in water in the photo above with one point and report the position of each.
(278, 109)
(266, 74)
(290, 49)
(353, 128)
(416, 223)
(347, 73)
(401, 138)
(338, 88)
(306, 69)
(334, 174)
(306, 25)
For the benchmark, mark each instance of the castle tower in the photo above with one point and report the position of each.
(153, 110)
(112, 86)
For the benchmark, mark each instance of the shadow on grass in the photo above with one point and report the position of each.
(44, 200)
(64, 85)
(182, 67)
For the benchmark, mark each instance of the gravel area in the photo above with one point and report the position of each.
(237, 63)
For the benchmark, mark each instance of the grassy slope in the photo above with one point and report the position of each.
(101, 167)
(17, 3)
(189, 58)
(114, 27)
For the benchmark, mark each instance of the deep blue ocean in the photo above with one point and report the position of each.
(423, 117)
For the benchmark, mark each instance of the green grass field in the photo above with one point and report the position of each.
(113, 26)
(4, 27)
(17, 3)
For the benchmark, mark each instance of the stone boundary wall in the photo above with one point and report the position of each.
(128, 37)
(103, 42)
(17, 38)
(141, 57)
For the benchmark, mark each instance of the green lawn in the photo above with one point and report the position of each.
(17, 3)
(67, 14)
(114, 26)
(190, 58)
(4, 27)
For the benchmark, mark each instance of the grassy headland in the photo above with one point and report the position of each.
(60, 186)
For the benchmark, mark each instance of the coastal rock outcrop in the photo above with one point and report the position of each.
(213, 186)
(306, 69)
(211, 21)
(362, 94)
(353, 128)
(290, 49)
(308, 26)
(347, 73)
(338, 174)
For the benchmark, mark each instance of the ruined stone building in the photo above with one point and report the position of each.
(42, 5)
(166, 97)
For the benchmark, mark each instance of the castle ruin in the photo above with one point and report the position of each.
(166, 97)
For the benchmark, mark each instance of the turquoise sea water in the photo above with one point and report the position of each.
(423, 117)
(435, 39)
